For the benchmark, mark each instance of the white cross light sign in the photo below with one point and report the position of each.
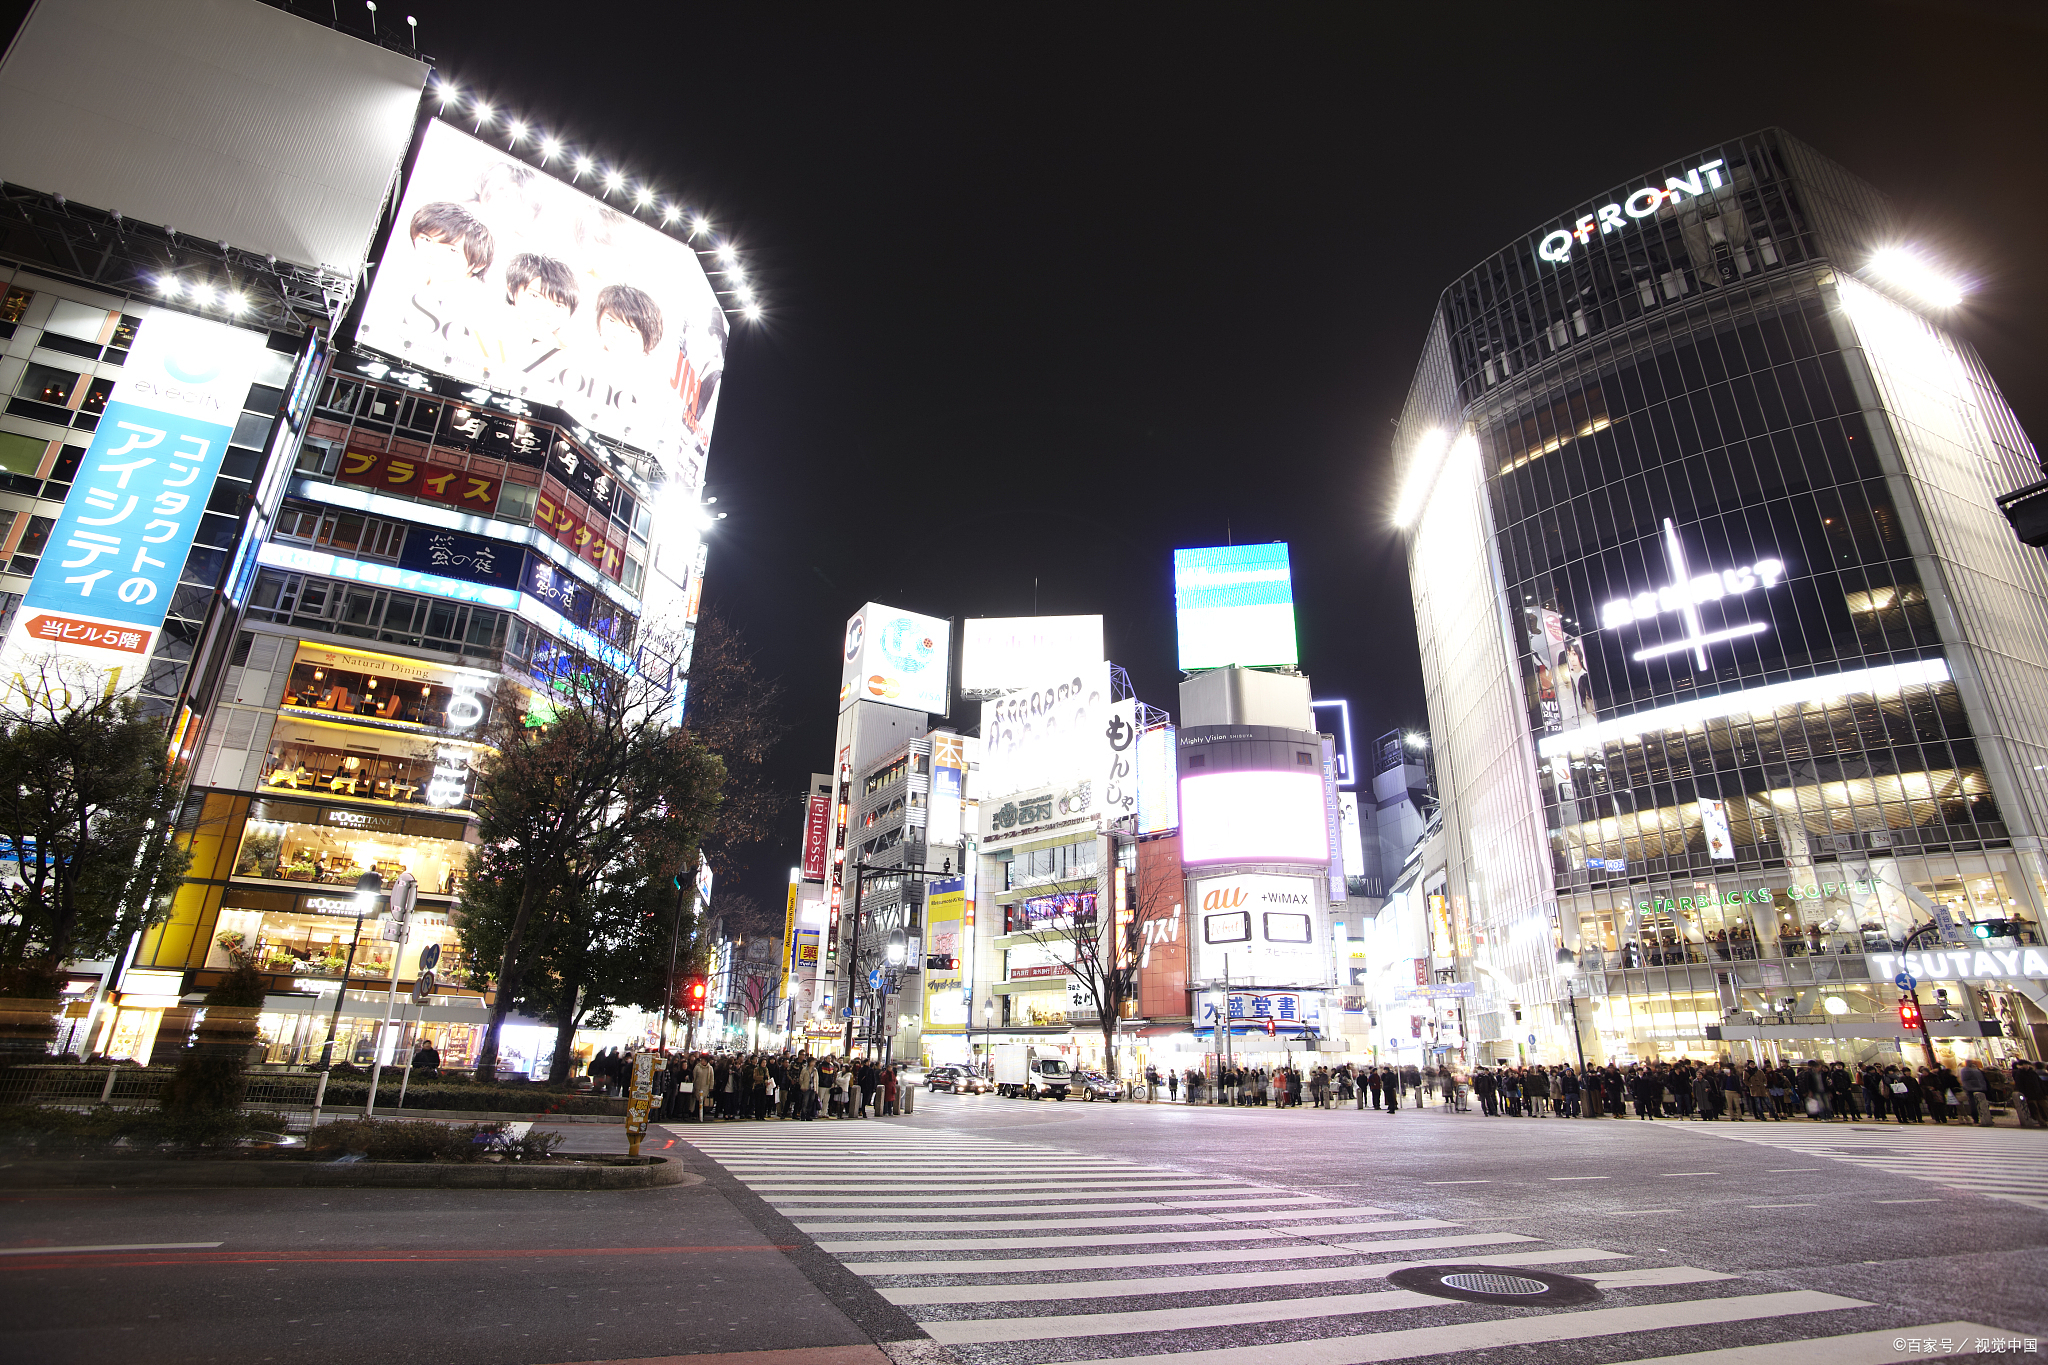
(1684, 596)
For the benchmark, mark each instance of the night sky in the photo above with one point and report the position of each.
(1054, 290)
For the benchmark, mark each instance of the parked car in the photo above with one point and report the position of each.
(958, 1079)
(1093, 1085)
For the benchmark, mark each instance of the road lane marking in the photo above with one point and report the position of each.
(111, 1246)
(1859, 1348)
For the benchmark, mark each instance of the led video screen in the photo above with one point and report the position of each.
(1253, 817)
(1234, 604)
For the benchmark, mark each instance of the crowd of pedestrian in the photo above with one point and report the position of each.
(709, 1086)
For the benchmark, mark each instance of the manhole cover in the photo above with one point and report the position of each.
(1496, 1284)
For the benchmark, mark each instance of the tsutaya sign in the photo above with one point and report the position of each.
(1556, 247)
(1977, 964)
(1685, 594)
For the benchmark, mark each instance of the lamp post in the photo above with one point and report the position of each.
(988, 1030)
(1569, 961)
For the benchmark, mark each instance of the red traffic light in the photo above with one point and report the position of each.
(1272, 1028)
(1909, 1014)
(696, 993)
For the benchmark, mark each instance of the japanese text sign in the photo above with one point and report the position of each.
(121, 541)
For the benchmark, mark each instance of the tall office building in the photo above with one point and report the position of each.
(1738, 679)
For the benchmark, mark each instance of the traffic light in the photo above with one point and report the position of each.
(1992, 928)
(1272, 1027)
(693, 994)
(1909, 1014)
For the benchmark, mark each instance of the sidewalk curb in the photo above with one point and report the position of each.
(404, 1175)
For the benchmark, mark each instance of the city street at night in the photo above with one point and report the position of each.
(1005, 1231)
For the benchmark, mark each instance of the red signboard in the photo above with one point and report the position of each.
(393, 472)
(568, 521)
(817, 834)
(1162, 929)
(71, 631)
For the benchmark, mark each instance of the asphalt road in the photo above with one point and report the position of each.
(1266, 1233)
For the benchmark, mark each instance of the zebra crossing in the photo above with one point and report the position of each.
(1006, 1252)
(2003, 1163)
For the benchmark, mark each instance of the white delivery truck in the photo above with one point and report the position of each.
(1021, 1072)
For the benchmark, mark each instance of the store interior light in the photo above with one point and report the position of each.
(1747, 701)
(1904, 268)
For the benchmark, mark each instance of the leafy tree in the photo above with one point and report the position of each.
(89, 796)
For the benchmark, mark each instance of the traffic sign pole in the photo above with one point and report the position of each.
(405, 893)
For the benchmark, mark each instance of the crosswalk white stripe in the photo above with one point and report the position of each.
(926, 1228)
(1106, 1185)
(1653, 1276)
(1141, 1286)
(876, 1209)
(1452, 1338)
(935, 1202)
(980, 1331)
(1111, 1240)
(1039, 1265)
(1858, 1348)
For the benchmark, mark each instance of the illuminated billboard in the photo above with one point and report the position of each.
(896, 657)
(1055, 736)
(502, 275)
(1158, 781)
(1253, 816)
(128, 523)
(1003, 653)
(1267, 930)
(1234, 604)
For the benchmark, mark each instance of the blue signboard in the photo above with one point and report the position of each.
(455, 555)
(557, 589)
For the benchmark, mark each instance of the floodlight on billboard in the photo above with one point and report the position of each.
(1253, 817)
(1003, 653)
(502, 275)
(896, 657)
(1234, 604)
(118, 546)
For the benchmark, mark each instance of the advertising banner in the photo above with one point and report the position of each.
(1563, 686)
(1269, 927)
(817, 834)
(1290, 1011)
(1057, 911)
(118, 546)
(554, 587)
(1714, 823)
(502, 275)
(896, 657)
(1235, 605)
(949, 765)
(1003, 653)
(1051, 735)
(1352, 836)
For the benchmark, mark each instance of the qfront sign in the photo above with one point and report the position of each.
(1556, 247)
(1685, 594)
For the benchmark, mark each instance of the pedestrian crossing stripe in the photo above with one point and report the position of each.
(986, 1264)
(2003, 1163)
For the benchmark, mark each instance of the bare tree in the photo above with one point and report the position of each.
(1103, 943)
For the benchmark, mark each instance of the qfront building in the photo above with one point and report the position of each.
(1738, 677)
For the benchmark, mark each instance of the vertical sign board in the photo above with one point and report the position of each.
(1158, 781)
(949, 762)
(1162, 930)
(789, 937)
(1333, 820)
(817, 833)
(128, 523)
(945, 916)
(640, 1098)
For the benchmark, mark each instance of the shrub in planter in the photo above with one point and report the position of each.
(421, 1140)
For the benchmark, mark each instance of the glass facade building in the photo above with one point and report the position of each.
(1763, 695)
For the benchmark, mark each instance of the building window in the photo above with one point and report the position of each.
(30, 550)
(47, 384)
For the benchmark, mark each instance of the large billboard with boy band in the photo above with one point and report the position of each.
(500, 274)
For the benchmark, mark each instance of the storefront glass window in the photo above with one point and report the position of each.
(333, 847)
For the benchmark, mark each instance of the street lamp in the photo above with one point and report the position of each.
(1569, 962)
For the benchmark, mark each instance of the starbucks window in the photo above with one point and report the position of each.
(289, 841)
(387, 691)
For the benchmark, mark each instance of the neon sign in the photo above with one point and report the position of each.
(1556, 247)
(1684, 595)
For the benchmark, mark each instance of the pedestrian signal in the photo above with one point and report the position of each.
(1909, 1014)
